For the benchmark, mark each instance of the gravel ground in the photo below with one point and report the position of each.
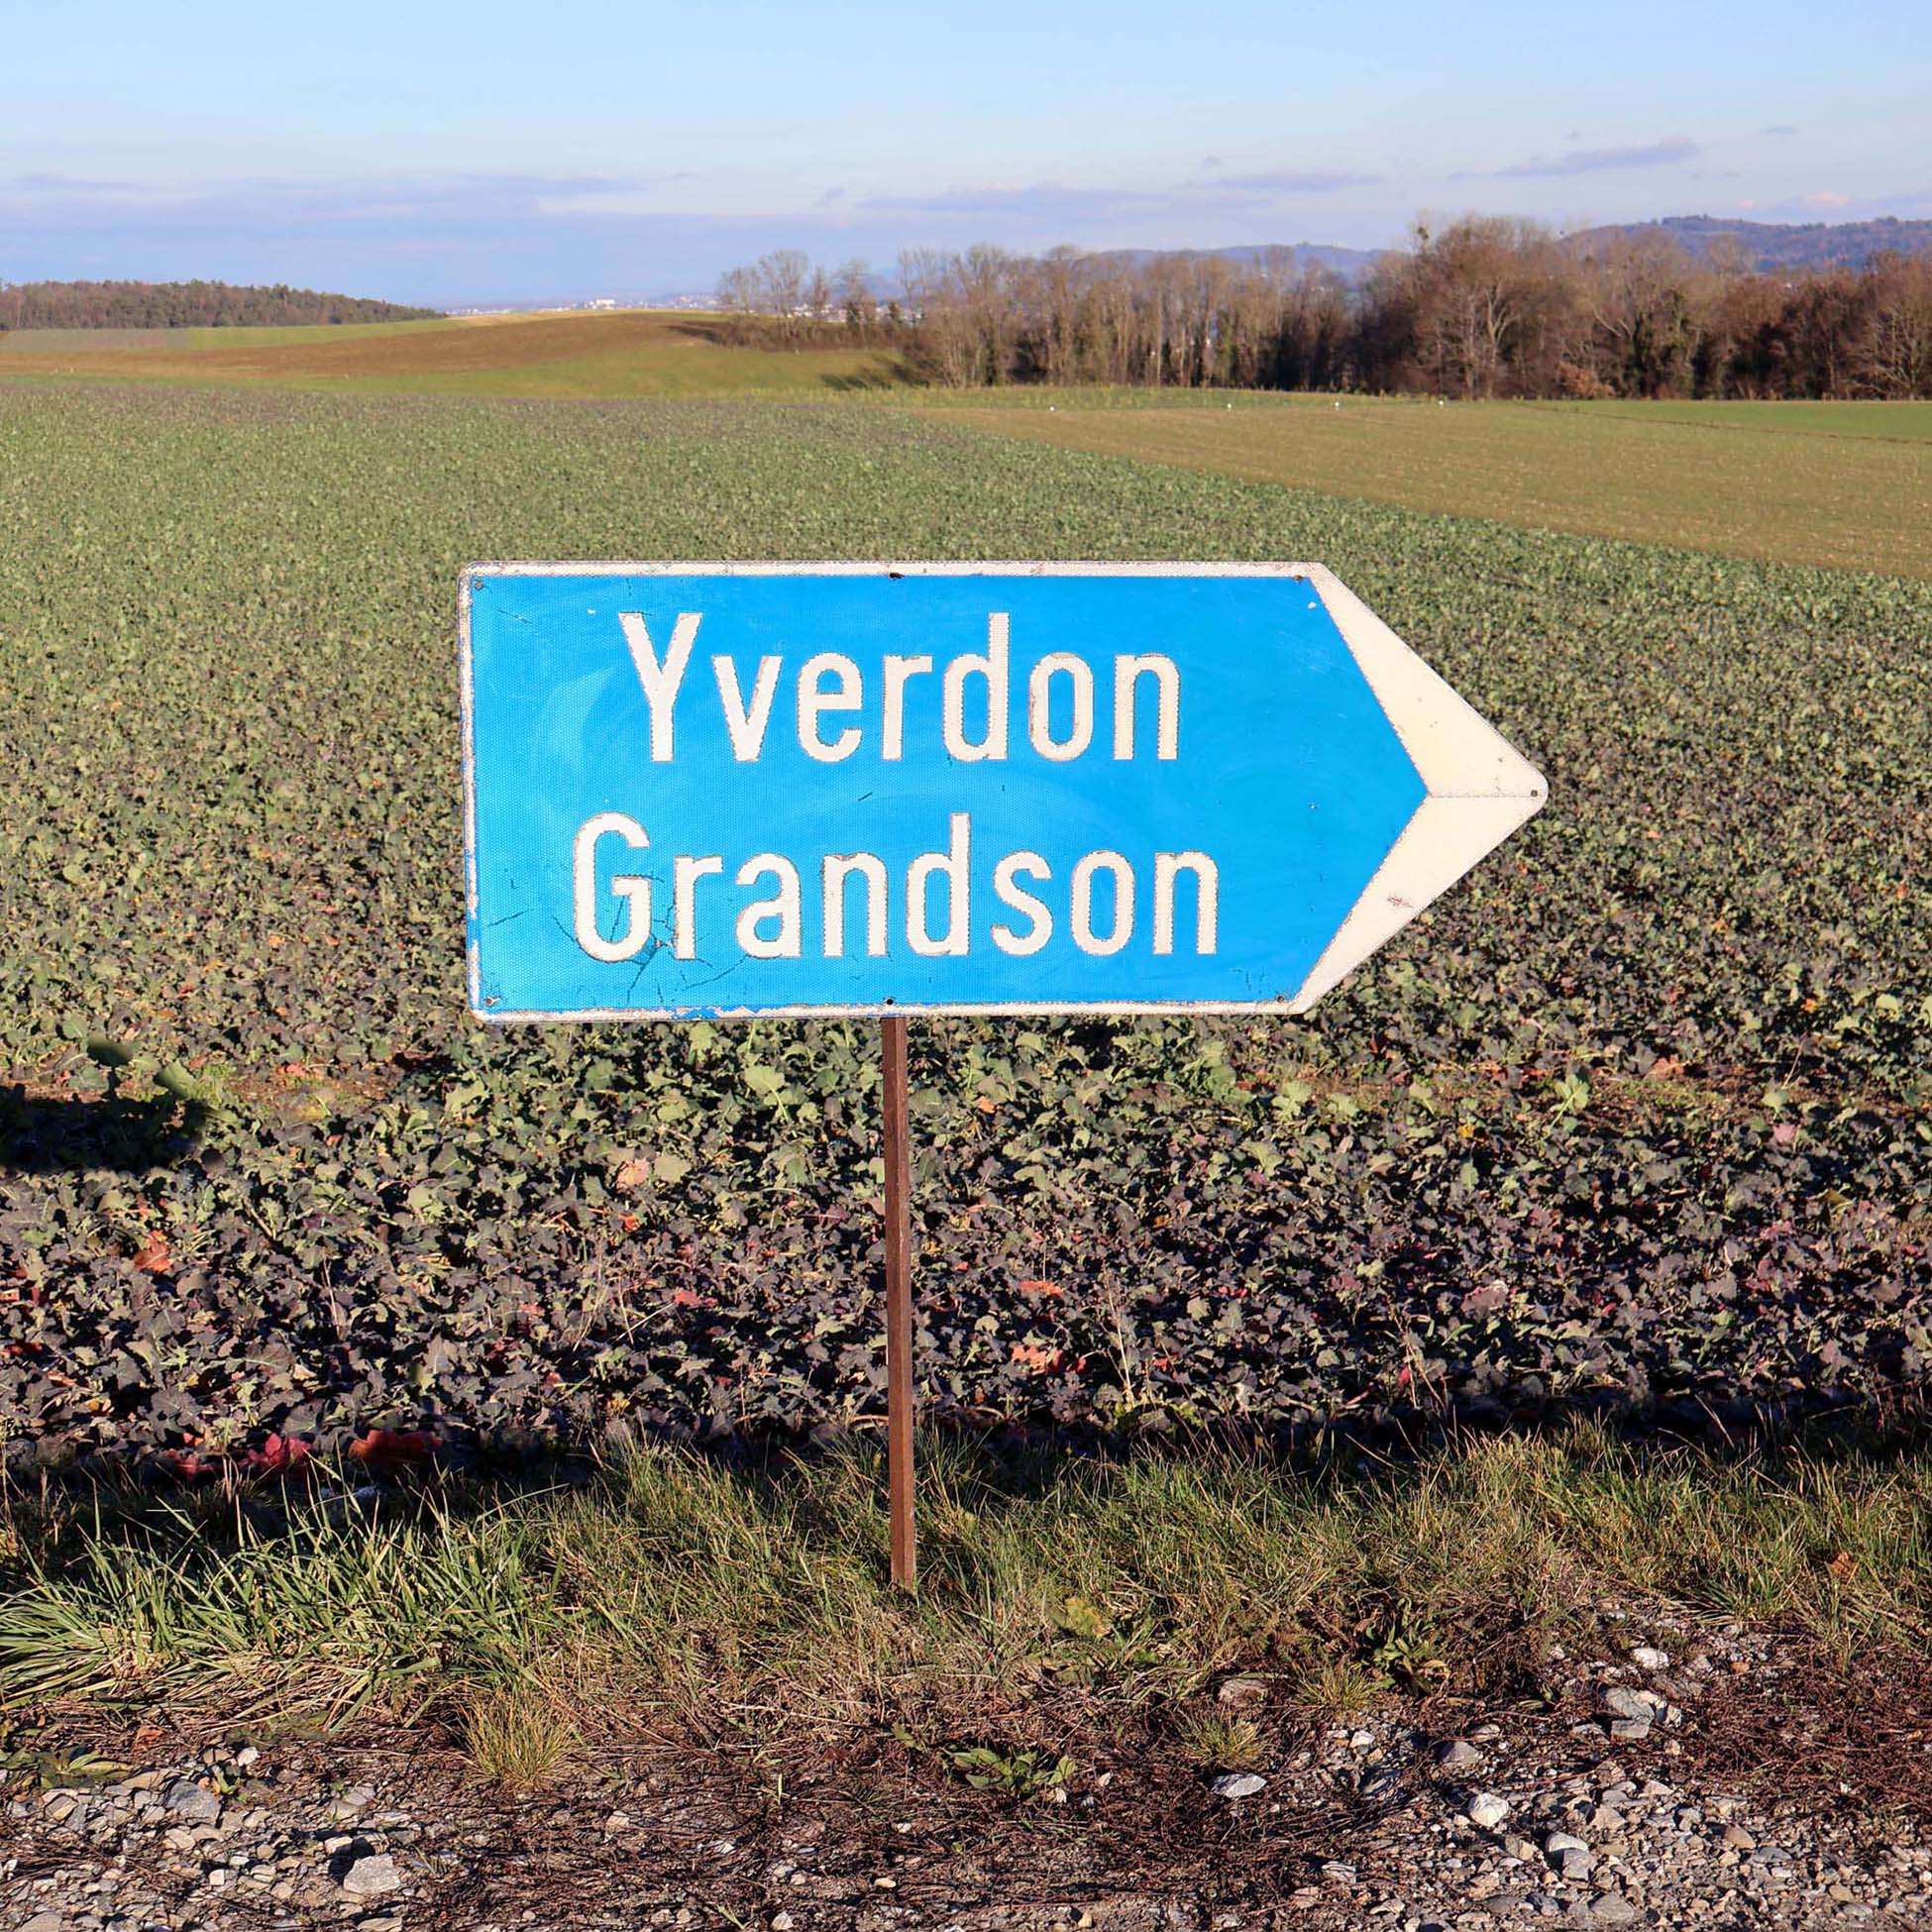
(1632, 1816)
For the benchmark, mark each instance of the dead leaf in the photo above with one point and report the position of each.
(392, 1447)
(154, 1256)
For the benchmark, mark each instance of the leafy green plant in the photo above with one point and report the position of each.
(1093, 1647)
(1663, 1069)
(1014, 1774)
(1412, 1654)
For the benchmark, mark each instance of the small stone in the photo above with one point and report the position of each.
(1631, 1730)
(1243, 1693)
(1559, 1842)
(189, 1800)
(1625, 1703)
(1613, 1908)
(1238, 1784)
(46, 1922)
(1458, 1754)
(782, 1922)
(1646, 1657)
(372, 1876)
(1486, 1810)
(1737, 1839)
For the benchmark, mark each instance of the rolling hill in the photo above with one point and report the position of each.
(1771, 245)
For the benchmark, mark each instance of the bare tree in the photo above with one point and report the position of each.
(780, 279)
(1638, 292)
(737, 291)
(853, 290)
(1483, 306)
(1895, 358)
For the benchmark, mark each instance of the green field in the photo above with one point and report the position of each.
(1636, 1119)
(1842, 485)
(1906, 422)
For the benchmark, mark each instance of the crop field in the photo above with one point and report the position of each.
(1910, 423)
(1639, 1119)
(1842, 485)
(629, 353)
(1846, 486)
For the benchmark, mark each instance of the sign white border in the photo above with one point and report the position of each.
(1478, 789)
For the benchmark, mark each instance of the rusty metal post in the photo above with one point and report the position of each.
(899, 1302)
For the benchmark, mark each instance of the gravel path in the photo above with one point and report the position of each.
(1538, 1818)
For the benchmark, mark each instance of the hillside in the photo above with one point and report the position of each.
(614, 353)
(184, 305)
(1771, 246)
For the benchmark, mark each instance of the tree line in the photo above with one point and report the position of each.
(1484, 306)
(183, 305)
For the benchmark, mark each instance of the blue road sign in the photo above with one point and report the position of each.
(706, 790)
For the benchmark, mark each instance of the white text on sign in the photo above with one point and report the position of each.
(1101, 899)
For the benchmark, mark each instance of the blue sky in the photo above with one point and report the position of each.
(451, 154)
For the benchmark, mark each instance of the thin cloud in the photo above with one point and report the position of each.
(1057, 202)
(1312, 181)
(1600, 161)
(1782, 131)
(1828, 202)
(40, 197)
(1048, 199)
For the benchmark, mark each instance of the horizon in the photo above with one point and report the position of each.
(885, 278)
(481, 161)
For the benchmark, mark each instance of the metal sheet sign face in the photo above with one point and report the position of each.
(710, 790)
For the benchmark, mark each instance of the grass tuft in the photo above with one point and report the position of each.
(1220, 1742)
(516, 1734)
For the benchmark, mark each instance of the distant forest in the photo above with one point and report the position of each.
(1484, 306)
(183, 305)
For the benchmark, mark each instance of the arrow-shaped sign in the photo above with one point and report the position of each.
(708, 789)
